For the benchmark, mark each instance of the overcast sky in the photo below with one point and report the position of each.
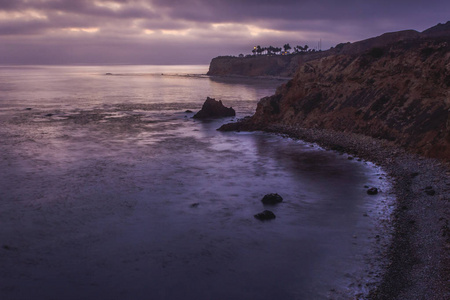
(193, 31)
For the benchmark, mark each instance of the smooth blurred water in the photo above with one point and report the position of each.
(110, 190)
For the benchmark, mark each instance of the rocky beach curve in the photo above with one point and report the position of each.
(386, 102)
(418, 256)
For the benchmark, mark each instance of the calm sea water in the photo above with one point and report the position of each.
(110, 190)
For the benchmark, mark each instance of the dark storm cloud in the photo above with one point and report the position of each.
(289, 15)
(194, 30)
(294, 10)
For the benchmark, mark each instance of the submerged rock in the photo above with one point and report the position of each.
(272, 199)
(214, 109)
(265, 215)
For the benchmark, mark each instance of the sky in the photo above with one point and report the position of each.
(193, 31)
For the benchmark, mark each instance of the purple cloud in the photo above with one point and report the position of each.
(82, 29)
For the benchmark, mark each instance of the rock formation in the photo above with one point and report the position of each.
(271, 199)
(265, 215)
(397, 90)
(213, 109)
(372, 191)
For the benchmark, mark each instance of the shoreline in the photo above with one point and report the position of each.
(419, 255)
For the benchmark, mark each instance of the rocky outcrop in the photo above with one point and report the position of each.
(265, 215)
(214, 109)
(372, 191)
(398, 91)
(271, 199)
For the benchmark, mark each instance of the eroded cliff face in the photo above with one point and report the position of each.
(260, 66)
(398, 92)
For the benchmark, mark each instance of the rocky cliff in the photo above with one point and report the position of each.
(394, 87)
(260, 66)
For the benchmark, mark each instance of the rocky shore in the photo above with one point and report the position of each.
(419, 255)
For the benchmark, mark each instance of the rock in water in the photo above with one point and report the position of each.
(272, 199)
(213, 109)
(265, 215)
(372, 191)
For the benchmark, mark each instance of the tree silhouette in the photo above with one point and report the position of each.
(287, 47)
(259, 50)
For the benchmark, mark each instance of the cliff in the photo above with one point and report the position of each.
(394, 87)
(260, 66)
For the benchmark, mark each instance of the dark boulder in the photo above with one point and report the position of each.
(265, 215)
(214, 109)
(272, 199)
(372, 191)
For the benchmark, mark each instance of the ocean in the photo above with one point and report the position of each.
(109, 189)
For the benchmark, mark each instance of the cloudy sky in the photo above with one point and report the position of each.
(193, 31)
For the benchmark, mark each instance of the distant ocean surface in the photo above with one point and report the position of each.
(110, 190)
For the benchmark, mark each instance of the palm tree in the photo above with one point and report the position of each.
(287, 47)
(259, 50)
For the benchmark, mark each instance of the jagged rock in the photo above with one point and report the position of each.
(212, 108)
(265, 215)
(372, 191)
(272, 199)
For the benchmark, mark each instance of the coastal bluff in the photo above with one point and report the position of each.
(260, 65)
(395, 87)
